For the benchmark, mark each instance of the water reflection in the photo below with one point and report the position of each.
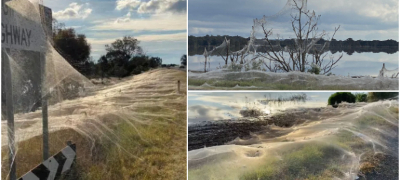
(222, 105)
(357, 64)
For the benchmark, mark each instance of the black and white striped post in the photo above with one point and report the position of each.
(54, 167)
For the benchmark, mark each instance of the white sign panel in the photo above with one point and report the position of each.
(21, 26)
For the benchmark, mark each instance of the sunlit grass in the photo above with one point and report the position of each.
(145, 140)
(311, 161)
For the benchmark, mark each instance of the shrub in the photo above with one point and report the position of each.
(361, 97)
(340, 97)
(376, 96)
(255, 65)
(235, 67)
(314, 69)
(251, 113)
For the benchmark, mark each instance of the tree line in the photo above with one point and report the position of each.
(197, 44)
(349, 97)
(124, 57)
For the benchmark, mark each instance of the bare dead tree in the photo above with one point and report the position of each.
(305, 27)
(319, 55)
(225, 56)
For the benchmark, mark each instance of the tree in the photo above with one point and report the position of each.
(361, 97)
(376, 96)
(120, 52)
(104, 67)
(128, 45)
(74, 48)
(306, 36)
(155, 62)
(340, 97)
(184, 60)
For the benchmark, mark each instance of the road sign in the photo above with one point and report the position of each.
(55, 166)
(21, 29)
(24, 32)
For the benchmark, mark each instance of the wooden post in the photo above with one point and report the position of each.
(205, 61)
(179, 86)
(10, 112)
(205, 64)
(45, 123)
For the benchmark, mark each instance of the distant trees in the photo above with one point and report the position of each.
(196, 46)
(361, 97)
(73, 47)
(184, 60)
(376, 96)
(103, 66)
(237, 42)
(339, 97)
(125, 57)
(127, 46)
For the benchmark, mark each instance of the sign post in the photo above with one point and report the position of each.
(10, 112)
(44, 108)
(22, 30)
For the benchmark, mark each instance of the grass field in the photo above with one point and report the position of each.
(133, 129)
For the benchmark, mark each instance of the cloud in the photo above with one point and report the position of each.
(196, 30)
(143, 38)
(236, 18)
(200, 110)
(163, 6)
(73, 11)
(122, 4)
(169, 22)
(153, 6)
(124, 19)
(199, 113)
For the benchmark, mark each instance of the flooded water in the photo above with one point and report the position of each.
(222, 106)
(356, 64)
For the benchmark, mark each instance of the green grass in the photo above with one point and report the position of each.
(309, 161)
(157, 151)
(144, 141)
(212, 169)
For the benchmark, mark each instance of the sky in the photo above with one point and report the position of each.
(160, 26)
(366, 19)
(210, 106)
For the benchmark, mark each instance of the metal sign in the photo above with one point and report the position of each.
(21, 29)
(24, 32)
(53, 167)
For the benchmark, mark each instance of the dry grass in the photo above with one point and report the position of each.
(145, 139)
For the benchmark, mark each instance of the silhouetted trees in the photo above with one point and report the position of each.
(124, 57)
(339, 97)
(197, 44)
(74, 48)
(184, 60)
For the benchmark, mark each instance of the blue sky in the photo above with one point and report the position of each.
(366, 19)
(160, 26)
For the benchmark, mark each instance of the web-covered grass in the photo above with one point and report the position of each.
(349, 142)
(135, 128)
